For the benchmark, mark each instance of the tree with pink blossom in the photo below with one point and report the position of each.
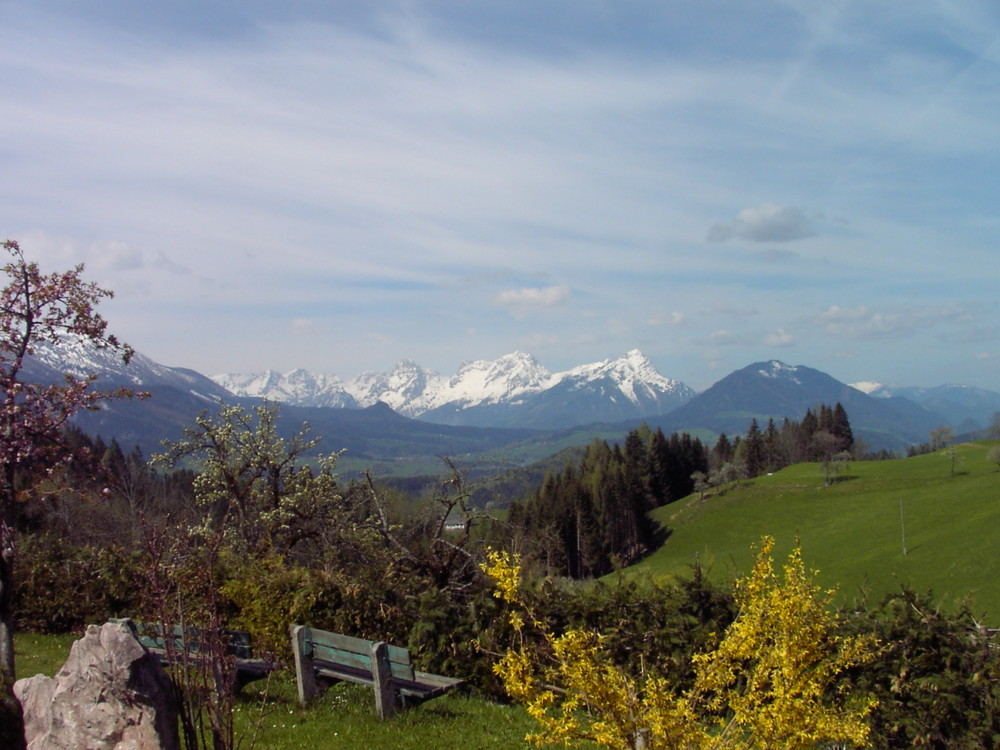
(39, 309)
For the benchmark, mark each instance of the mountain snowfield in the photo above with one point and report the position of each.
(50, 362)
(510, 380)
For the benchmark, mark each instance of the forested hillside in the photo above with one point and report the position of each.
(593, 516)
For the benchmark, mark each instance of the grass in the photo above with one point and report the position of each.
(344, 717)
(852, 531)
(41, 654)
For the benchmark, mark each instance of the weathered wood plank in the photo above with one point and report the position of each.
(305, 674)
(386, 699)
(350, 644)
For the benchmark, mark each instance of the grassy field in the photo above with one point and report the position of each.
(342, 718)
(853, 531)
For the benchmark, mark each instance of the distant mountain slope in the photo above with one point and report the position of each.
(179, 394)
(512, 391)
(50, 362)
(775, 390)
(966, 408)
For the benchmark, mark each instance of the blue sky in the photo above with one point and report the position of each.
(340, 185)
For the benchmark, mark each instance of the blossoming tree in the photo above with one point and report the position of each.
(36, 308)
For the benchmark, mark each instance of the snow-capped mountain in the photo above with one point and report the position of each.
(297, 387)
(508, 379)
(408, 388)
(72, 357)
(871, 387)
(514, 390)
(634, 376)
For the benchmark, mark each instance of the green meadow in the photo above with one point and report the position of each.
(268, 716)
(929, 522)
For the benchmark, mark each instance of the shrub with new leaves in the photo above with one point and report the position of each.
(768, 683)
(260, 490)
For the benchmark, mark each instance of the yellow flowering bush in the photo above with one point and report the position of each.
(767, 684)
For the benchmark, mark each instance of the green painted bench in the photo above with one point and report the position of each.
(323, 658)
(188, 640)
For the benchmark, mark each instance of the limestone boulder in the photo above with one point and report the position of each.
(111, 694)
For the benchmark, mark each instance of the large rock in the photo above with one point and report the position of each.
(111, 694)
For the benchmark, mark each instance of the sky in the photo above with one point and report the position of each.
(339, 186)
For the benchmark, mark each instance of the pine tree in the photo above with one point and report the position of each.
(752, 450)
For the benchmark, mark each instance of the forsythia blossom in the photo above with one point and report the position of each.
(768, 683)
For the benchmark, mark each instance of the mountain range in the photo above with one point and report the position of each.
(511, 408)
(968, 408)
(512, 391)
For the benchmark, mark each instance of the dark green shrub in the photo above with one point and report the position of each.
(61, 588)
(937, 679)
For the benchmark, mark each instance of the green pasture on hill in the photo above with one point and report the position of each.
(853, 531)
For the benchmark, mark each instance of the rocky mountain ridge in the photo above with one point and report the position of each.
(513, 390)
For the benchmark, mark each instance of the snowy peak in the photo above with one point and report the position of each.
(779, 371)
(632, 374)
(298, 387)
(407, 389)
(502, 380)
(79, 358)
(871, 387)
(485, 392)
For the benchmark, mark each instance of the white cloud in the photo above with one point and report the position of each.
(863, 322)
(303, 326)
(767, 222)
(115, 256)
(667, 319)
(781, 337)
(520, 302)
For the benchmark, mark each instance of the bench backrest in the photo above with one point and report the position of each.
(153, 636)
(354, 652)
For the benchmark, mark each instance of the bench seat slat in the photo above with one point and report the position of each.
(424, 685)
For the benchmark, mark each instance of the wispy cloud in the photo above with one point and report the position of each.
(764, 223)
(863, 322)
(674, 318)
(520, 302)
(781, 337)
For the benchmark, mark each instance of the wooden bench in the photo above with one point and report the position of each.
(188, 641)
(322, 658)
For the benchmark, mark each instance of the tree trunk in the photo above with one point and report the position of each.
(11, 719)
